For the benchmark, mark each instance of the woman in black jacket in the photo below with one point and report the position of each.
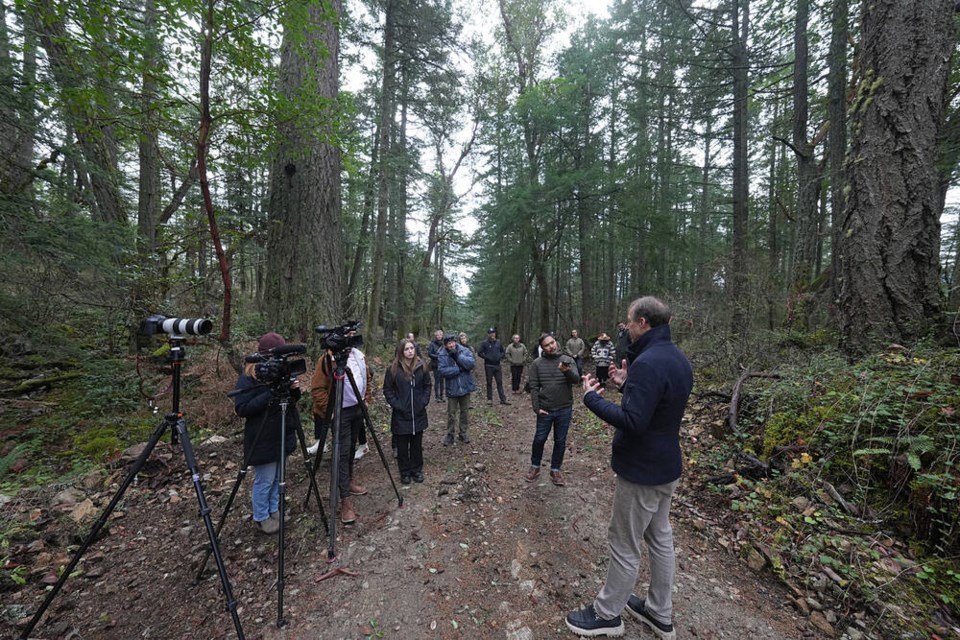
(406, 386)
(257, 403)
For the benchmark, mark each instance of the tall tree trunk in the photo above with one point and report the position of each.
(148, 208)
(95, 137)
(387, 110)
(352, 305)
(304, 282)
(203, 138)
(890, 236)
(808, 181)
(740, 24)
(837, 142)
(17, 110)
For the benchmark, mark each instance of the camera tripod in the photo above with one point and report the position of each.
(341, 374)
(178, 427)
(282, 392)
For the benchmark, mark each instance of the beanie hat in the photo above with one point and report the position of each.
(492, 330)
(450, 337)
(269, 341)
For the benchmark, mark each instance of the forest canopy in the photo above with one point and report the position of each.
(765, 166)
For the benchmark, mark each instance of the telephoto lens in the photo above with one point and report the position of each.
(186, 326)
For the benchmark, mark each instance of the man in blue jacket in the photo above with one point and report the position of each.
(647, 460)
(455, 364)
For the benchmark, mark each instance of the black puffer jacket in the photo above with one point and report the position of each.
(408, 397)
(255, 402)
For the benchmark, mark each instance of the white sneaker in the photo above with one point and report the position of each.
(362, 451)
(312, 449)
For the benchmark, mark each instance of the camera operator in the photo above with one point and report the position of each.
(351, 420)
(257, 402)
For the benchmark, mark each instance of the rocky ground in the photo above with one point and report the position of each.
(473, 552)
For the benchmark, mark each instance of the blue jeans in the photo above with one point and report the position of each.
(559, 420)
(266, 490)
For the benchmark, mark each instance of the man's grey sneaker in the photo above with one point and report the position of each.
(586, 622)
(448, 440)
(636, 607)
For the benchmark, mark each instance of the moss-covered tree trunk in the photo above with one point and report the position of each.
(890, 231)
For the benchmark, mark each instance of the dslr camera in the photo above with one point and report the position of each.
(158, 323)
(276, 368)
(342, 338)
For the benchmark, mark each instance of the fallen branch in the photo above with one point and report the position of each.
(735, 396)
(849, 508)
(336, 572)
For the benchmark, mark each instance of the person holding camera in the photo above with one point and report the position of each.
(256, 401)
(551, 379)
(351, 419)
(455, 366)
(647, 460)
(407, 388)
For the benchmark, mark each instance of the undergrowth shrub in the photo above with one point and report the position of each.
(886, 428)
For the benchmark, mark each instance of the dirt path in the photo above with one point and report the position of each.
(475, 552)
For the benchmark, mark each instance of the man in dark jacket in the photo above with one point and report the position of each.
(646, 458)
(551, 378)
(433, 352)
(455, 367)
(491, 352)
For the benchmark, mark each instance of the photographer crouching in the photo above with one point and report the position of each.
(342, 339)
(256, 399)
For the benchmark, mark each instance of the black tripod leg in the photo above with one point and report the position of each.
(376, 441)
(102, 520)
(223, 518)
(311, 474)
(338, 376)
(184, 437)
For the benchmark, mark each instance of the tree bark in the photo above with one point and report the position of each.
(808, 180)
(740, 24)
(304, 281)
(890, 233)
(837, 142)
(387, 113)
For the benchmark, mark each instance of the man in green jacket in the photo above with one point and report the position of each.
(551, 379)
(576, 348)
(516, 355)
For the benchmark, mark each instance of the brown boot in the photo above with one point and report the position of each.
(357, 489)
(347, 514)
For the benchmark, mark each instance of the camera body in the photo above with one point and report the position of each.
(158, 323)
(342, 338)
(277, 370)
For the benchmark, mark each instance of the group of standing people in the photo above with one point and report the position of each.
(644, 365)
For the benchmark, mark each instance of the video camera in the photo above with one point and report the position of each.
(342, 338)
(158, 323)
(275, 367)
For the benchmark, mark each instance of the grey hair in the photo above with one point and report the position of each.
(655, 311)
